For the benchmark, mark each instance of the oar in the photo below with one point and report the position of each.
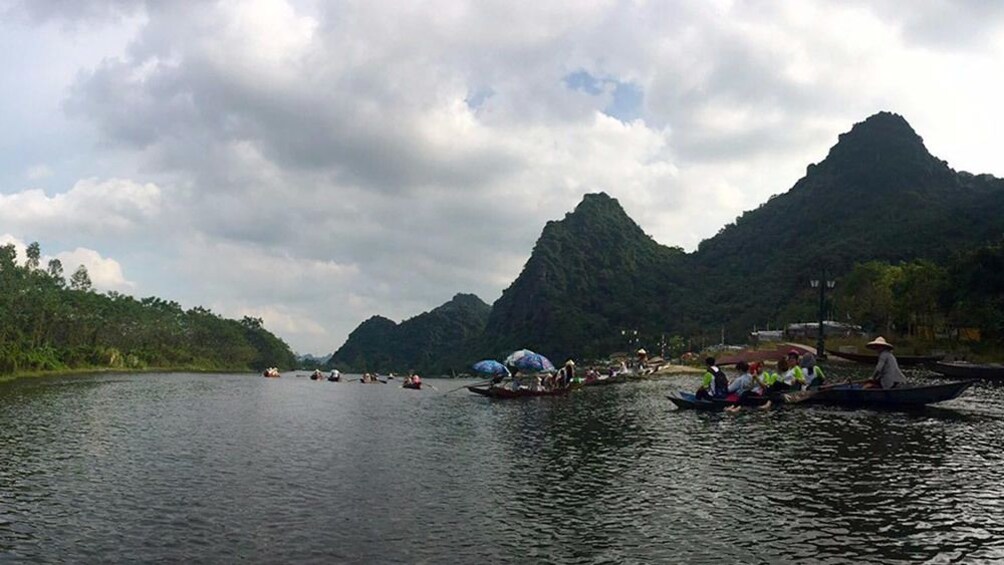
(803, 395)
(465, 386)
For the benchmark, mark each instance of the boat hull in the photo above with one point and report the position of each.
(507, 393)
(970, 370)
(903, 360)
(689, 401)
(412, 386)
(900, 397)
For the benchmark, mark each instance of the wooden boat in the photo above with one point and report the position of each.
(855, 394)
(415, 386)
(688, 400)
(904, 360)
(499, 392)
(751, 356)
(334, 379)
(963, 370)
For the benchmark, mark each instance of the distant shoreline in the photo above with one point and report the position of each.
(105, 370)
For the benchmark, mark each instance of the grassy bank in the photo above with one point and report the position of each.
(8, 377)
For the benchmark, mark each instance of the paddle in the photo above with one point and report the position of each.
(803, 395)
(465, 386)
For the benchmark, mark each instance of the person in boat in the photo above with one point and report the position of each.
(794, 377)
(715, 383)
(641, 361)
(569, 375)
(416, 379)
(551, 379)
(777, 382)
(759, 384)
(538, 384)
(316, 376)
(335, 376)
(744, 382)
(887, 373)
(813, 374)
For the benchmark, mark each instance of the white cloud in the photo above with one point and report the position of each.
(113, 206)
(105, 272)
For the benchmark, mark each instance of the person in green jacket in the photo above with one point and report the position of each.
(714, 384)
(813, 374)
(794, 377)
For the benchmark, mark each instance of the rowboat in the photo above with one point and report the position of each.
(688, 400)
(415, 386)
(499, 392)
(963, 370)
(751, 357)
(905, 360)
(855, 394)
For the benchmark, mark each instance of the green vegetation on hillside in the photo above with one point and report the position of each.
(434, 342)
(903, 234)
(49, 324)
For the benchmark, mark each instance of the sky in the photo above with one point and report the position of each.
(315, 163)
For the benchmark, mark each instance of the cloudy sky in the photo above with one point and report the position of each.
(318, 162)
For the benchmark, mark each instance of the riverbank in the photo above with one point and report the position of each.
(106, 370)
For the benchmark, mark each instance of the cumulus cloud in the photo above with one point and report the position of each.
(105, 272)
(110, 206)
(320, 162)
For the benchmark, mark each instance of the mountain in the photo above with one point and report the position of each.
(591, 276)
(432, 342)
(594, 280)
(878, 195)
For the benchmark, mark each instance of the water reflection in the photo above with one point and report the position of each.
(218, 467)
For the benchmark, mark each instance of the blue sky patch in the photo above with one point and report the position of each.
(625, 97)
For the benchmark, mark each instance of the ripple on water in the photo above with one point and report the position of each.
(224, 468)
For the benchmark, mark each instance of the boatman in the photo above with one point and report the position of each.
(887, 371)
(714, 384)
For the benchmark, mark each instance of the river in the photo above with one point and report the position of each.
(224, 468)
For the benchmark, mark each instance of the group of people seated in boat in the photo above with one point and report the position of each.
(796, 371)
(563, 378)
(271, 372)
(413, 380)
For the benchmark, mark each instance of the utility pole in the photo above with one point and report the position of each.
(823, 284)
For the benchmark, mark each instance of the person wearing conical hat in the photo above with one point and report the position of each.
(887, 371)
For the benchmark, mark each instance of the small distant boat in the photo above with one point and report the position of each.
(904, 360)
(856, 394)
(499, 392)
(270, 374)
(414, 386)
(963, 370)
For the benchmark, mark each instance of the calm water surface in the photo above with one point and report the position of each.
(223, 468)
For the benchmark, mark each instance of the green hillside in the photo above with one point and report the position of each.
(50, 324)
(595, 278)
(433, 342)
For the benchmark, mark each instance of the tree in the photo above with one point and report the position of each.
(34, 254)
(56, 272)
(80, 279)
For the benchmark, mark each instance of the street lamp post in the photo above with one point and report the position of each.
(823, 284)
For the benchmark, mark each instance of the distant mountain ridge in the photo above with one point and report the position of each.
(595, 278)
(432, 342)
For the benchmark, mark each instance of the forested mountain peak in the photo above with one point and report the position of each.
(582, 283)
(882, 153)
(433, 341)
(461, 301)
